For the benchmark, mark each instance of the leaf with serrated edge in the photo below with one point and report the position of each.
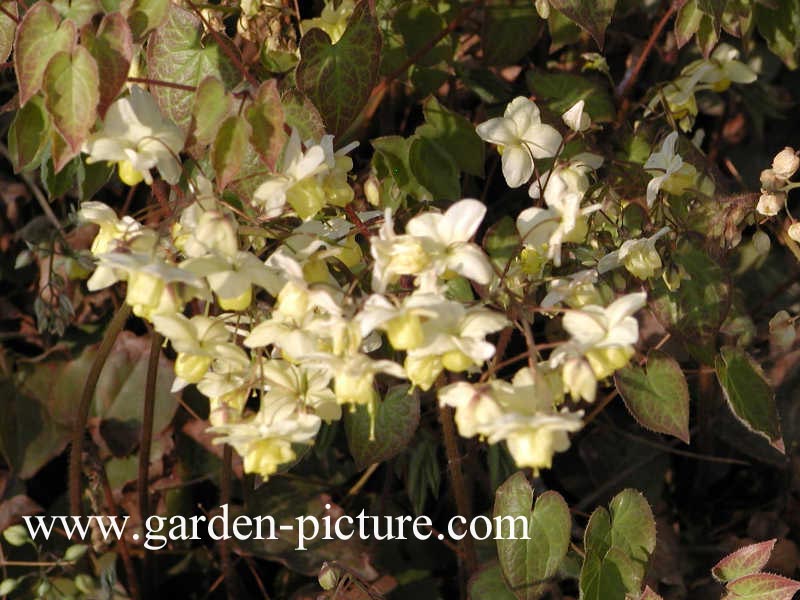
(178, 53)
(71, 91)
(302, 115)
(396, 420)
(750, 397)
(527, 563)
(762, 586)
(228, 152)
(40, 36)
(338, 78)
(112, 49)
(745, 561)
(593, 16)
(658, 398)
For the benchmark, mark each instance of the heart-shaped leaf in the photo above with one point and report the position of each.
(593, 16)
(71, 87)
(535, 555)
(745, 561)
(749, 396)
(145, 15)
(178, 53)
(658, 398)
(338, 78)
(229, 149)
(112, 49)
(8, 27)
(40, 36)
(212, 105)
(266, 118)
(396, 420)
(28, 134)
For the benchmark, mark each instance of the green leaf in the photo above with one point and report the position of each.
(338, 78)
(745, 561)
(434, 168)
(659, 397)
(40, 36)
(229, 149)
(593, 16)
(687, 22)
(396, 420)
(302, 115)
(454, 134)
(510, 30)
(266, 118)
(58, 184)
(423, 474)
(146, 15)
(502, 242)
(618, 546)
(177, 52)
(71, 86)
(526, 563)
(419, 24)
(391, 160)
(749, 396)
(762, 586)
(8, 27)
(28, 135)
(561, 91)
(779, 23)
(112, 49)
(79, 12)
(488, 582)
(212, 105)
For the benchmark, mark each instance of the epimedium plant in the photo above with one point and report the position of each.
(302, 265)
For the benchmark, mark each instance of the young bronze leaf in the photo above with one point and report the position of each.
(658, 398)
(112, 48)
(594, 17)
(229, 149)
(40, 36)
(745, 561)
(762, 586)
(212, 105)
(266, 118)
(71, 85)
(8, 27)
(338, 78)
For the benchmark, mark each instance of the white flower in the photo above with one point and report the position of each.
(575, 118)
(522, 137)
(667, 166)
(138, 137)
(576, 290)
(597, 327)
(639, 256)
(721, 69)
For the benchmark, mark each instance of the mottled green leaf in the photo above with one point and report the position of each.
(338, 78)
(229, 149)
(396, 420)
(658, 398)
(40, 36)
(528, 563)
(592, 15)
(71, 86)
(745, 561)
(112, 49)
(177, 52)
(749, 396)
(302, 115)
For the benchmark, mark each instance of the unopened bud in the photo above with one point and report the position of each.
(328, 576)
(771, 203)
(372, 191)
(770, 180)
(786, 163)
(794, 231)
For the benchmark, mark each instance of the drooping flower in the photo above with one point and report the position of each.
(669, 171)
(137, 137)
(639, 256)
(576, 119)
(522, 138)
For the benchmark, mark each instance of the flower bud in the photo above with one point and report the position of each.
(372, 191)
(771, 203)
(782, 332)
(761, 242)
(770, 181)
(786, 163)
(794, 231)
(328, 577)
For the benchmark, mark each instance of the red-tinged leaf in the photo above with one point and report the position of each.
(112, 48)
(338, 78)
(762, 586)
(145, 15)
(8, 27)
(266, 118)
(60, 151)
(649, 594)
(659, 397)
(71, 86)
(229, 149)
(40, 36)
(302, 115)
(745, 561)
(179, 53)
(212, 105)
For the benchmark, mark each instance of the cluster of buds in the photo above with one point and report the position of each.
(775, 183)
